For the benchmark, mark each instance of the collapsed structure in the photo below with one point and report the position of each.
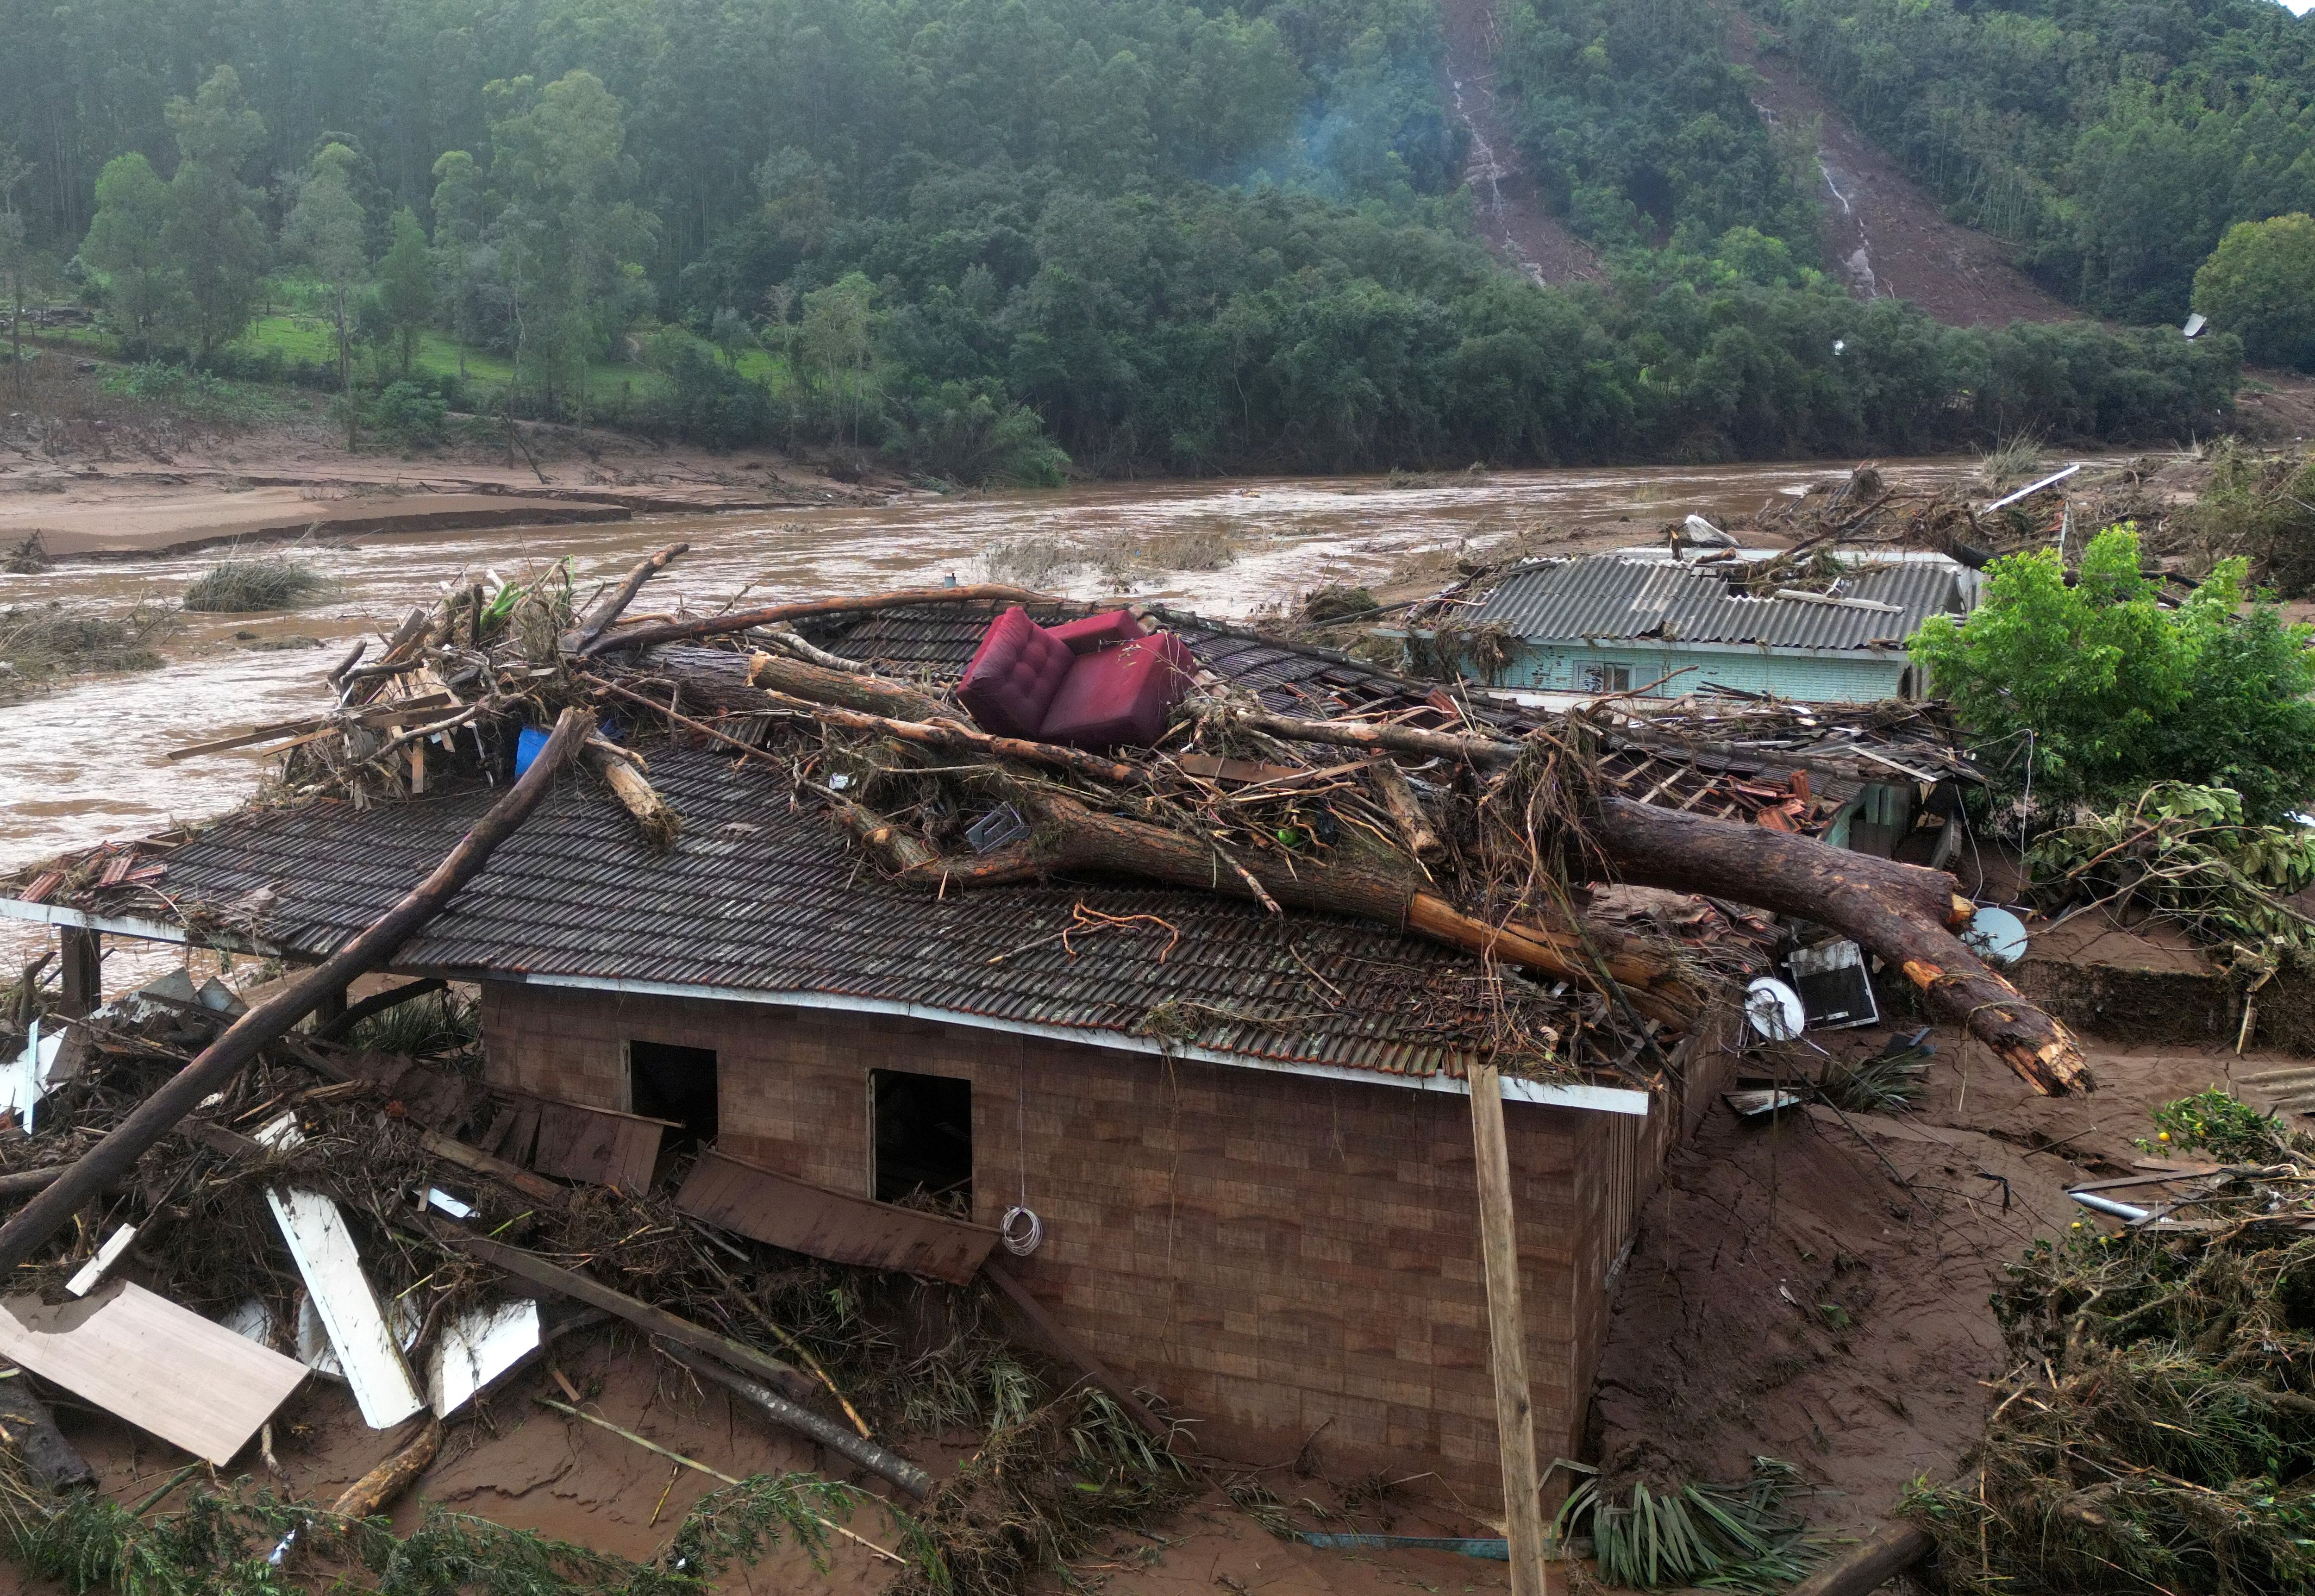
(1181, 1039)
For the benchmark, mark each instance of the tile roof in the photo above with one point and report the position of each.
(759, 898)
(1603, 597)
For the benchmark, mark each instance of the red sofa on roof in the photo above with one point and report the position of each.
(1098, 682)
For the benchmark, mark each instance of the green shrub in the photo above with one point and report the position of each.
(408, 413)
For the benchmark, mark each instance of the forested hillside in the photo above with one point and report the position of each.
(992, 238)
(2111, 143)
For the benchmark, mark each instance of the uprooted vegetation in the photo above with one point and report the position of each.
(251, 586)
(43, 643)
(2157, 1428)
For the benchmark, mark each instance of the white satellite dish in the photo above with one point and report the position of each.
(1996, 935)
(1774, 1009)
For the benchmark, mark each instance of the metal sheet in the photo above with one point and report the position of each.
(786, 1212)
(161, 1368)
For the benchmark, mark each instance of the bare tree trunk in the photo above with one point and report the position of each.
(1899, 911)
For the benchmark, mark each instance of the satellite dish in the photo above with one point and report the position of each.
(1996, 935)
(1774, 1009)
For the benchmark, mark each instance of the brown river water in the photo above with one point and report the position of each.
(86, 763)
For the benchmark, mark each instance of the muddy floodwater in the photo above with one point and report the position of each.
(86, 763)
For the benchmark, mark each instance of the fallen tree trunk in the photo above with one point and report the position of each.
(222, 1059)
(1074, 837)
(648, 632)
(876, 1459)
(1485, 751)
(1899, 911)
(378, 1003)
(955, 738)
(582, 636)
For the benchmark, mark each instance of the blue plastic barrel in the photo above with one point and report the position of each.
(527, 747)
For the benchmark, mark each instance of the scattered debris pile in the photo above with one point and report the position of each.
(1385, 801)
(335, 1205)
(2157, 1429)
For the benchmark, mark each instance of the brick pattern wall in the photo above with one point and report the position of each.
(1272, 1252)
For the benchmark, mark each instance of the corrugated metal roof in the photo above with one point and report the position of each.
(757, 898)
(1601, 598)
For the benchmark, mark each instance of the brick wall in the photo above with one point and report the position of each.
(1272, 1252)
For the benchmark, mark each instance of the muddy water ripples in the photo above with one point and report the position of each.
(87, 762)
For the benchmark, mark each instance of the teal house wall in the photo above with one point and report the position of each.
(1808, 677)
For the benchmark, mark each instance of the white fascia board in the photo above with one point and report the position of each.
(1879, 652)
(1615, 1100)
(57, 913)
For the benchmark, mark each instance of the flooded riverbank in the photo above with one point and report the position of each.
(87, 762)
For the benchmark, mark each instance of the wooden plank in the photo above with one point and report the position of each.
(579, 1288)
(160, 1367)
(476, 1348)
(1065, 1346)
(765, 1206)
(324, 1251)
(597, 1145)
(473, 1160)
(1507, 1334)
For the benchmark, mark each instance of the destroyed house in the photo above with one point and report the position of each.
(1229, 1152)
(1606, 624)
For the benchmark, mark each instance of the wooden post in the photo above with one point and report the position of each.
(83, 951)
(224, 1057)
(1507, 1334)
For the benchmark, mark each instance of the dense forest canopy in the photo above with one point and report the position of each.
(2111, 143)
(995, 237)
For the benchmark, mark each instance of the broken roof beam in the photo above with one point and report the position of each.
(224, 1057)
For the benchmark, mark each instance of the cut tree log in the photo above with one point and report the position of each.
(1899, 911)
(658, 824)
(1486, 752)
(224, 1057)
(648, 632)
(841, 689)
(615, 603)
(793, 1415)
(375, 1491)
(1406, 811)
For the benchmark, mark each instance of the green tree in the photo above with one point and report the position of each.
(325, 229)
(405, 284)
(2259, 284)
(461, 213)
(2110, 692)
(141, 285)
(15, 256)
(837, 346)
(212, 235)
(568, 232)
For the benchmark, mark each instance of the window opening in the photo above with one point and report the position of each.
(674, 1083)
(923, 1130)
(1607, 679)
